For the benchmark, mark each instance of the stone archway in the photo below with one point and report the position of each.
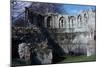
(61, 22)
(72, 21)
(85, 17)
(49, 20)
(79, 18)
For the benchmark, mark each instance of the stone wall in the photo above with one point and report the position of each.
(79, 27)
(81, 22)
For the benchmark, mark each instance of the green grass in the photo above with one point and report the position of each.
(68, 59)
(82, 58)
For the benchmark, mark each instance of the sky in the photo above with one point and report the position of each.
(70, 9)
(74, 9)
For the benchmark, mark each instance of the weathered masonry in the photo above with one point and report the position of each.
(77, 23)
(70, 30)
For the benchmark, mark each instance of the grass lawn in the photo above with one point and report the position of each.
(82, 58)
(67, 59)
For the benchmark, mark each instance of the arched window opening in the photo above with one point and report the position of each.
(72, 22)
(61, 22)
(79, 18)
(49, 20)
(85, 17)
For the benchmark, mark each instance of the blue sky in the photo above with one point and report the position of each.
(70, 9)
(74, 9)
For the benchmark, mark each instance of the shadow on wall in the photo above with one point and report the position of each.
(56, 49)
